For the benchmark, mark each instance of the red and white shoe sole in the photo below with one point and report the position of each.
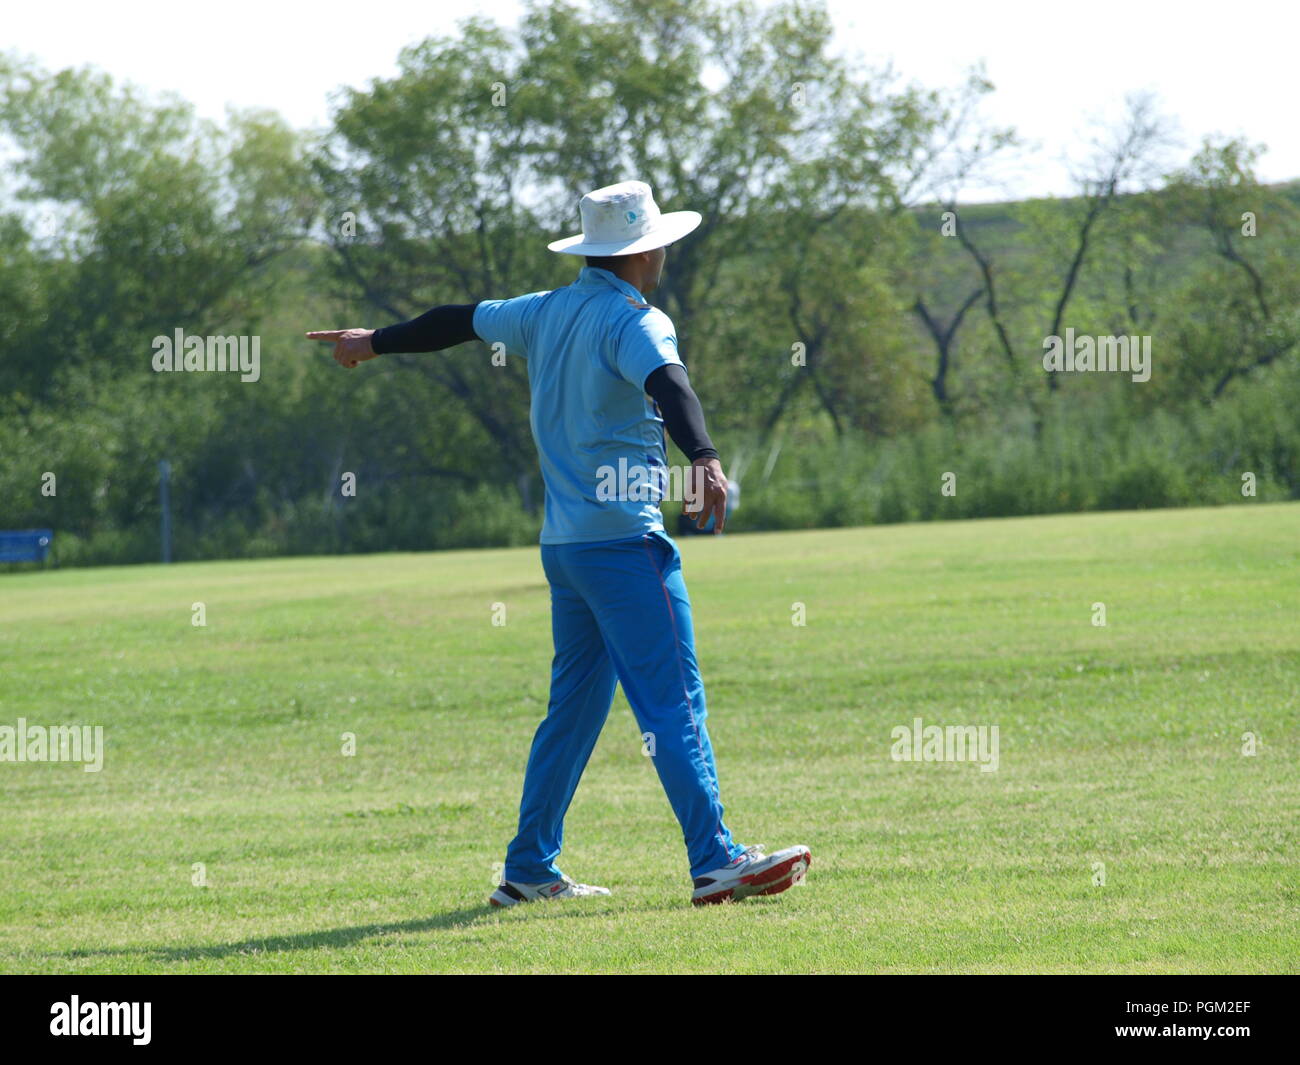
(780, 877)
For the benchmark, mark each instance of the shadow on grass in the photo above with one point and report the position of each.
(335, 938)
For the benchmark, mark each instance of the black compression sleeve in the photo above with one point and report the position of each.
(442, 327)
(680, 409)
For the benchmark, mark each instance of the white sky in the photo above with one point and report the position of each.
(1225, 67)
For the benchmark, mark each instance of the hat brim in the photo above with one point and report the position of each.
(672, 226)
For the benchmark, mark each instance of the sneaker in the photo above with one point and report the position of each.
(753, 873)
(507, 893)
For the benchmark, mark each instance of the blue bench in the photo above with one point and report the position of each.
(28, 545)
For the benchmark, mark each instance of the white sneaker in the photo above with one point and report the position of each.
(753, 873)
(508, 894)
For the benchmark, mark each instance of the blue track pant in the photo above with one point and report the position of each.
(620, 612)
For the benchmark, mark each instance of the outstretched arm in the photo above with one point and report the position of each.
(441, 327)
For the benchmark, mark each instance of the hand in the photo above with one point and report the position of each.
(706, 493)
(351, 346)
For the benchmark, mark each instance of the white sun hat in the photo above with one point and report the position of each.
(624, 219)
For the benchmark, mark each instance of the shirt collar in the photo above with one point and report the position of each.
(593, 275)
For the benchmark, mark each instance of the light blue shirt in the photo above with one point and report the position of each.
(589, 346)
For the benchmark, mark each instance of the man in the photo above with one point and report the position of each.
(619, 606)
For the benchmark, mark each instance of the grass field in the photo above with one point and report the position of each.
(1119, 745)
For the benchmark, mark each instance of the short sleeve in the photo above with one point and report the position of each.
(507, 322)
(647, 342)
